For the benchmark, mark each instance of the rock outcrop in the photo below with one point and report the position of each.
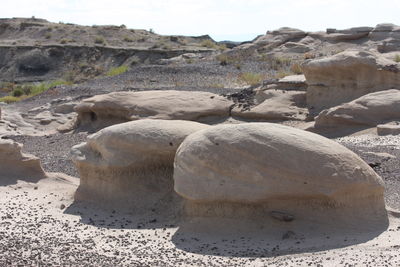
(388, 36)
(369, 110)
(17, 165)
(275, 105)
(131, 163)
(291, 82)
(278, 37)
(346, 76)
(104, 110)
(274, 167)
(392, 128)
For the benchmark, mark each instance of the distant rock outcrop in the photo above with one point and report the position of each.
(274, 167)
(346, 76)
(369, 110)
(104, 110)
(131, 163)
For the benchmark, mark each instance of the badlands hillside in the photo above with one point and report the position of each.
(122, 147)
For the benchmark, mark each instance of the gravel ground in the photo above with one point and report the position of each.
(387, 168)
(53, 150)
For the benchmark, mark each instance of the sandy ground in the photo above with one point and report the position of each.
(41, 225)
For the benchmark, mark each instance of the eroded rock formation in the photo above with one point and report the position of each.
(227, 168)
(17, 165)
(104, 110)
(369, 110)
(131, 163)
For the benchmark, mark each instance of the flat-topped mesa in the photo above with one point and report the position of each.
(17, 165)
(346, 76)
(104, 110)
(255, 168)
(131, 164)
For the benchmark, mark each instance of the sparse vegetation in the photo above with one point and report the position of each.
(309, 55)
(117, 70)
(128, 39)
(225, 59)
(20, 92)
(17, 92)
(216, 85)
(281, 74)
(250, 78)
(47, 35)
(99, 40)
(296, 68)
(63, 41)
(209, 44)
(397, 58)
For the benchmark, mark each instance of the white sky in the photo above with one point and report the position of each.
(222, 19)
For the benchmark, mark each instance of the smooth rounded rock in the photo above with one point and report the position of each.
(131, 163)
(273, 165)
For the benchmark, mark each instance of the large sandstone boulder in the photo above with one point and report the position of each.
(369, 110)
(104, 110)
(346, 76)
(275, 105)
(131, 163)
(17, 165)
(275, 167)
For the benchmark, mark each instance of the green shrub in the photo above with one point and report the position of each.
(21, 92)
(250, 78)
(397, 58)
(209, 44)
(117, 70)
(9, 99)
(99, 40)
(17, 92)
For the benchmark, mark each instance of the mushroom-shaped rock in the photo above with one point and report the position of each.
(346, 76)
(16, 165)
(368, 110)
(131, 163)
(113, 108)
(274, 167)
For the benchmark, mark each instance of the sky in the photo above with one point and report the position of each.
(236, 20)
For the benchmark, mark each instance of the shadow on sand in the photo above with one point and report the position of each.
(232, 238)
(263, 237)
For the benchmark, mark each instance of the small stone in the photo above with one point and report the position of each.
(282, 216)
(288, 234)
